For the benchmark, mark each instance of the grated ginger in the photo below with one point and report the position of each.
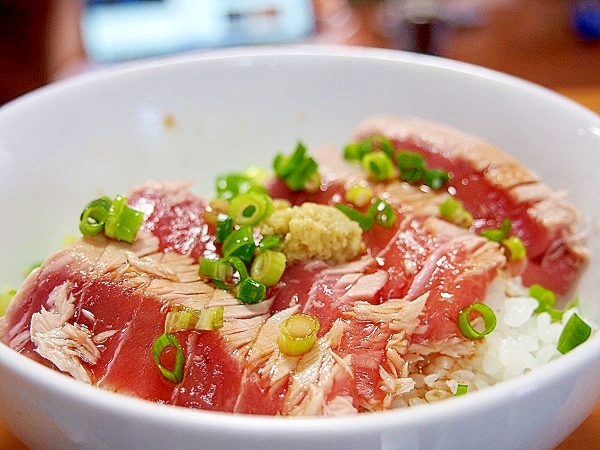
(315, 232)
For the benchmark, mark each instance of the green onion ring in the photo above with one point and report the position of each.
(230, 185)
(515, 248)
(250, 291)
(378, 166)
(250, 208)
(224, 227)
(298, 334)
(207, 319)
(486, 313)
(382, 212)
(575, 332)
(269, 242)
(365, 221)
(238, 266)
(94, 215)
(461, 389)
(435, 178)
(240, 243)
(161, 343)
(411, 166)
(268, 267)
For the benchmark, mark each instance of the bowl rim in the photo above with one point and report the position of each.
(503, 393)
(265, 52)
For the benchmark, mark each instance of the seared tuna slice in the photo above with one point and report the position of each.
(494, 186)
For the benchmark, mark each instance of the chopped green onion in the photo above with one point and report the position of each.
(240, 243)
(365, 221)
(411, 165)
(298, 334)
(161, 343)
(250, 208)
(230, 185)
(225, 272)
(466, 327)
(413, 169)
(356, 150)
(257, 175)
(217, 269)
(207, 319)
(268, 267)
(546, 302)
(383, 144)
(453, 211)
(382, 213)
(435, 178)
(378, 165)
(122, 222)
(514, 248)
(286, 165)
(224, 227)
(305, 177)
(461, 389)
(498, 234)
(251, 291)
(269, 242)
(116, 218)
(5, 298)
(359, 195)
(298, 170)
(94, 215)
(575, 332)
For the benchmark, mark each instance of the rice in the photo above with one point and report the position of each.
(521, 342)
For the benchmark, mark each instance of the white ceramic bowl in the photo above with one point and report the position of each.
(105, 132)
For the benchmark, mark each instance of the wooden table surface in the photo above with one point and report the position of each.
(587, 436)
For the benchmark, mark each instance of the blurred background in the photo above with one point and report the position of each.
(555, 43)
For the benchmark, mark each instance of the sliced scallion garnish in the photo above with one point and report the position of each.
(163, 342)
(224, 227)
(411, 166)
(382, 213)
(298, 334)
(268, 267)
(461, 389)
(240, 243)
(498, 234)
(250, 208)
(298, 170)
(207, 319)
(435, 178)
(356, 151)
(359, 195)
(230, 185)
(226, 272)
(364, 221)
(116, 218)
(515, 248)
(250, 291)
(122, 222)
(546, 302)
(466, 327)
(575, 332)
(378, 166)
(453, 211)
(269, 242)
(94, 215)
